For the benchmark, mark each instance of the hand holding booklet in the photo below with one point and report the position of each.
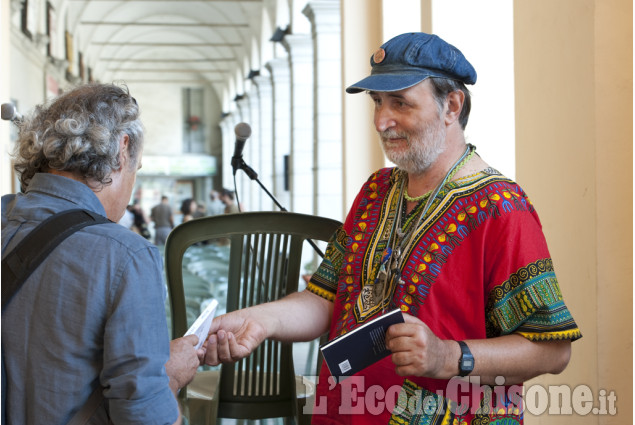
(350, 353)
(201, 325)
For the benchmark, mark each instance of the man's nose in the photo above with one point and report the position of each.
(384, 118)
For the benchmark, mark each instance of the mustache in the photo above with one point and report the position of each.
(386, 135)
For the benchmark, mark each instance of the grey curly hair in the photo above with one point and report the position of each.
(79, 132)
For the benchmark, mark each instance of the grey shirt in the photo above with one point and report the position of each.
(92, 314)
(161, 214)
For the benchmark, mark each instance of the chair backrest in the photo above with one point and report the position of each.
(264, 264)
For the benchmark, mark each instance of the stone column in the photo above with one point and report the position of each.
(244, 108)
(243, 114)
(327, 135)
(253, 148)
(265, 160)
(301, 173)
(6, 144)
(227, 131)
(362, 150)
(281, 79)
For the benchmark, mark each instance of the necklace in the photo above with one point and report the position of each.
(453, 171)
(416, 198)
(389, 272)
(469, 150)
(389, 275)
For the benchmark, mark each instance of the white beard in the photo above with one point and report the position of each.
(424, 147)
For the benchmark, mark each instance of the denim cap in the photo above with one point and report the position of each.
(410, 58)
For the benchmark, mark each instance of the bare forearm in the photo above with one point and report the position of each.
(513, 357)
(417, 351)
(300, 316)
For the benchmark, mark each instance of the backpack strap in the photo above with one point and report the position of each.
(18, 265)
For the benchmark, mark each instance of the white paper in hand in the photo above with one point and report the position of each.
(201, 325)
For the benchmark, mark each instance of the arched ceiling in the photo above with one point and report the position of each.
(166, 41)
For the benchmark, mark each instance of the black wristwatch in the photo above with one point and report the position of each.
(466, 362)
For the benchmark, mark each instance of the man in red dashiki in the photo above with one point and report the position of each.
(477, 267)
(445, 238)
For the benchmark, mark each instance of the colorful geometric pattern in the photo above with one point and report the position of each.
(418, 406)
(502, 281)
(530, 303)
(322, 280)
(530, 306)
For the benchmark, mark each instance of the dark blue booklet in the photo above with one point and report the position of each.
(350, 353)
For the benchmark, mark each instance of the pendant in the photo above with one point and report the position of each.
(382, 277)
(372, 295)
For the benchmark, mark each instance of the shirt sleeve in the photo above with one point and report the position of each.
(524, 296)
(136, 344)
(324, 281)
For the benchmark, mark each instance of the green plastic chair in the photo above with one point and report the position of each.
(265, 255)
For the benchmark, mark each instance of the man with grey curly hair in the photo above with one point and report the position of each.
(92, 314)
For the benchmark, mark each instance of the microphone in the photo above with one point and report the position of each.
(9, 113)
(243, 131)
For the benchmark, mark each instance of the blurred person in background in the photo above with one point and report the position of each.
(141, 222)
(227, 196)
(188, 208)
(161, 215)
(215, 205)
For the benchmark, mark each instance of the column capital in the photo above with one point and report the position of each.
(253, 95)
(263, 82)
(16, 6)
(279, 68)
(299, 46)
(243, 106)
(324, 14)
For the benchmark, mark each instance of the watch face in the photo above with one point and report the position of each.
(466, 362)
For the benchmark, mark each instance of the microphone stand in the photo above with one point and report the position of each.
(240, 164)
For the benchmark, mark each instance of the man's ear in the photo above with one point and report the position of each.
(454, 103)
(124, 153)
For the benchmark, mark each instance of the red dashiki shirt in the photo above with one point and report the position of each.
(476, 266)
